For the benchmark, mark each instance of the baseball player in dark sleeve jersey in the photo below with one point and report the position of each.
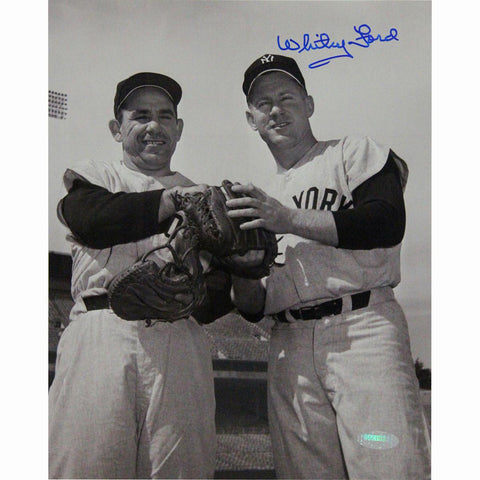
(342, 392)
(131, 401)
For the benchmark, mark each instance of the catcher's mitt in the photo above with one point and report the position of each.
(221, 235)
(161, 290)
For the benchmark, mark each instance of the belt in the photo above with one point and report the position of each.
(99, 302)
(332, 307)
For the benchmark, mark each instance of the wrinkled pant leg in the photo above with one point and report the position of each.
(369, 370)
(302, 421)
(132, 402)
(92, 428)
(177, 437)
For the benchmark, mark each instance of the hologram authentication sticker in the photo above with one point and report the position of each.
(378, 440)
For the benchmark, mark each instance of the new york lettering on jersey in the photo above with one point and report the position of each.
(314, 199)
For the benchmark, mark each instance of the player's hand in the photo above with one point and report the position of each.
(167, 203)
(264, 211)
(202, 187)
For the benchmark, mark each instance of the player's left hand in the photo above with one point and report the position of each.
(264, 211)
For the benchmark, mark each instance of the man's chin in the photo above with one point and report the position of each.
(279, 140)
(150, 163)
(156, 158)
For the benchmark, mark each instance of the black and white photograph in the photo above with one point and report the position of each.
(239, 239)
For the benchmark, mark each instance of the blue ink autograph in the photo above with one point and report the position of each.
(364, 40)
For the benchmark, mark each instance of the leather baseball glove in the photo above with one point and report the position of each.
(221, 235)
(161, 291)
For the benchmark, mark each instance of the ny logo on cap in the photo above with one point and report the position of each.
(267, 58)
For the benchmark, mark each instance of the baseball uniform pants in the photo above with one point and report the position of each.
(344, 399)
(129, 401)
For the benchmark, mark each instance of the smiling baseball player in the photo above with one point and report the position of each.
(131, 401)
(342, 393)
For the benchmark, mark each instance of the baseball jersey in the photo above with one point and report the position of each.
(324, 179)
(93, 269)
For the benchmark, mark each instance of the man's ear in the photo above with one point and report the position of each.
(251, 121)
(114, 127)
(179, 128)
(310, 105)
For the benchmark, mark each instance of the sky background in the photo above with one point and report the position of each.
(383, 92)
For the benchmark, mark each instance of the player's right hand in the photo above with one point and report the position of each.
(262, 210)
(169, 194)
(167, 204)
(202, 187)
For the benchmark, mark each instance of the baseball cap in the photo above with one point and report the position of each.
(271, 63)
(146, 79)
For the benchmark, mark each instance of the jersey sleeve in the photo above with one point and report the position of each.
(217, 302)
(378, 217)
(99, 219)
(96, 173)
(364, 157)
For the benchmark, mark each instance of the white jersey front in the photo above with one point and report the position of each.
(128, 401)
(94, 269)
(309, 272)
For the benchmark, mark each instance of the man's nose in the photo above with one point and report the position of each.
(153, 126)
(276, 109)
